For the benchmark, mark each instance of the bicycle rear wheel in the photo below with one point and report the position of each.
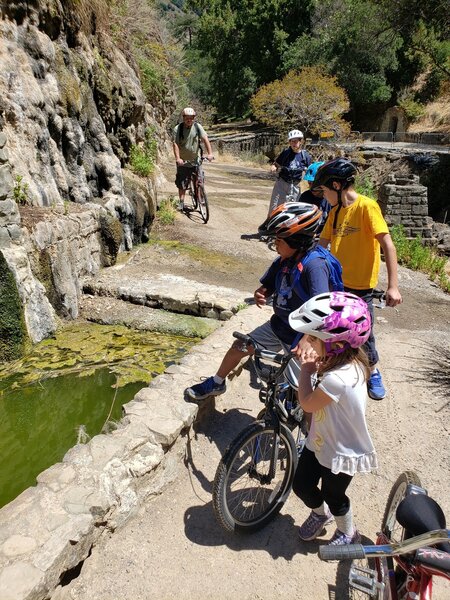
(390, 526)
(203, 203)
(245, 496)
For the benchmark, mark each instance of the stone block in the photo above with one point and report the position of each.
(419, 210)
(19, 580)
(3, 139)
(6, 181)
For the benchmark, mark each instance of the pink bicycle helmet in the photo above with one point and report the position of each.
(334, 317)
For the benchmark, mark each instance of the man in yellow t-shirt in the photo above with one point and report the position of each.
(356, 230)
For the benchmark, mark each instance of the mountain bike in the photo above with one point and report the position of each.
(196, 189)
(255, 475)
(403, 562)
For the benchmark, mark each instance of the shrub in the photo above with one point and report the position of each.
(143, 158)
(20, 191)
(364, 185)
(413, 254)
(167, 211)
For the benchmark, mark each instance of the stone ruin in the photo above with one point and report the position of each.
(404, 201)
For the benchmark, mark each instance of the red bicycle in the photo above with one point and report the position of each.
(411, 548)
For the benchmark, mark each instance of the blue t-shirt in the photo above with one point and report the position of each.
(292, 164)
(278, 280)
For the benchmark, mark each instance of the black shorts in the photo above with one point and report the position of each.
(183, 176)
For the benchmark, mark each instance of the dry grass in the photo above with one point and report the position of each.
(436, 117)
(94, 14)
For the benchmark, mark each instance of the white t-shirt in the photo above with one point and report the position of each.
(338, 436)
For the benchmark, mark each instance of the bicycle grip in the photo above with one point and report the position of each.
(344, 552)
(241, 336)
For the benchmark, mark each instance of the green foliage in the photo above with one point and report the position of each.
(414, 255)
(307, 99)
(244, 42)
(413, 110)
(12, 323)
(364, 185)
(143, 158)
(20, 191)
(167, 211)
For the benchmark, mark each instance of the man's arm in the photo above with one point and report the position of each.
(176, 153)
(210, 155)
(393, 296)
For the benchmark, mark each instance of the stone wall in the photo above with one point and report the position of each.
(404, 201)
(255, 143)
(49, 529)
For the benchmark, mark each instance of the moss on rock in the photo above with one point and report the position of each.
(111, 233)
(12, 323)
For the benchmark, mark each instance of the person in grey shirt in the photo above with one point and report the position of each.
(186, 148)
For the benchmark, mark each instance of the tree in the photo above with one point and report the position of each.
(309, 100)
(244, 41)
(353, 40)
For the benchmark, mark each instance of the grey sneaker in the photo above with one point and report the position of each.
(313, 526)
(206, 388)
(341, 539)
(181, 206)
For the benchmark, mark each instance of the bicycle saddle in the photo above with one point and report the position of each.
(418, 513)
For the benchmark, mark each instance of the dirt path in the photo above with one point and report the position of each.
(174, 548)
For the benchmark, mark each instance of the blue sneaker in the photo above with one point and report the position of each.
(206, 388)
(314, 525)
(375, 387)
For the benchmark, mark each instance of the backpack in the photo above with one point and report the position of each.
(334, 267)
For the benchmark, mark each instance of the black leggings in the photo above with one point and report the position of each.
(309, 472)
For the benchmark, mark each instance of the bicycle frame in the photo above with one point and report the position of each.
(418, 577)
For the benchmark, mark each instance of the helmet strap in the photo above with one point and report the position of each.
(332, 350)
(336, 214)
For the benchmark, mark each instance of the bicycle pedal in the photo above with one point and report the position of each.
(364, 580)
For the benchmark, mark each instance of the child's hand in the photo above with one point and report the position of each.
(260, 296)
(393, 297)
(306, 353)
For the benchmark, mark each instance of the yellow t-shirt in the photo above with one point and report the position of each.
(353, 241)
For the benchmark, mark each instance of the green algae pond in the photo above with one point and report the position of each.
(70, 388)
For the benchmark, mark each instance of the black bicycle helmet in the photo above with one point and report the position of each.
(338, 169)
(292, 219)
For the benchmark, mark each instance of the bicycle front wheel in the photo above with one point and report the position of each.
(254, 478)
(203, 204)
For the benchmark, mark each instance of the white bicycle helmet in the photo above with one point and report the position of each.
(334, 317)
(295, 134)
(188, 112)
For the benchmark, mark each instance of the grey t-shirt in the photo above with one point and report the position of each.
(189, 144)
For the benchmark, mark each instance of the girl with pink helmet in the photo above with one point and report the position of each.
(338, 445)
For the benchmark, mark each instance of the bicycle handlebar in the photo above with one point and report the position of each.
(353, 551)
(189, 163)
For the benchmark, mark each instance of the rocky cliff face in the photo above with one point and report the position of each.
(71, 108)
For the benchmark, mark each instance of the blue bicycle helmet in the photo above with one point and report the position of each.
(312, 170)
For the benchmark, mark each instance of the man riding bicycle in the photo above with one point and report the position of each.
(186, 148)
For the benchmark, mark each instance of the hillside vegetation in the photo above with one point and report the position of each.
(381, 52)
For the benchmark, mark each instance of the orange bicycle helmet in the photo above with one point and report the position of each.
(290, 219)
